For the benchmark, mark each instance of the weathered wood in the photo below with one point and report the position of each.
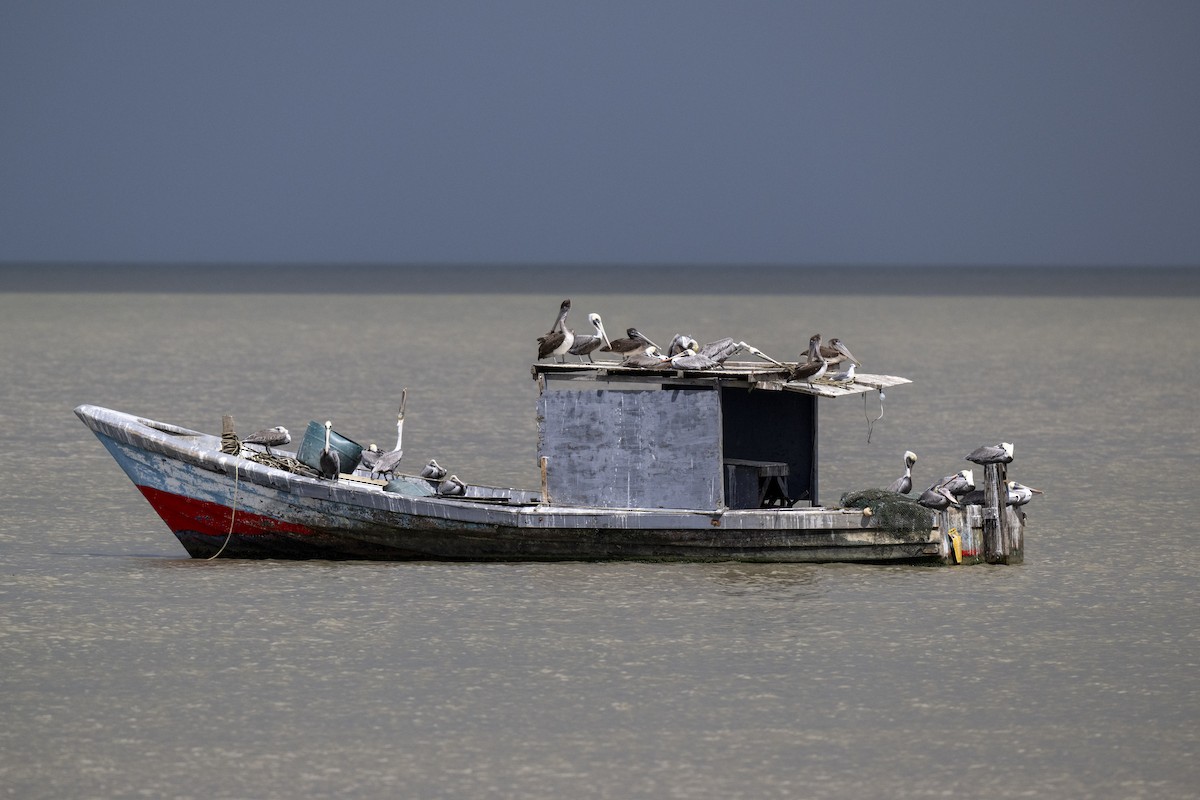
(997, 543)
(733, 373)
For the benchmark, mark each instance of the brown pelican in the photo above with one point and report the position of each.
(452, 487)
(433, 471)
(835, 353)
(719, 351)
(387, 462)
(270, 437)
(959, 484)
(680, 343)
(1015, 494)
(992, 454)
(330, 462)
(1019, 494)
(937, 497)
(903, 484)
(815, 366)
(635, 340)
(690, 359)
(559, 339)
(649, 358)
(367, 459)
(586, 343)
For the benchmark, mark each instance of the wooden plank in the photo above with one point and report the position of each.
(757, 375)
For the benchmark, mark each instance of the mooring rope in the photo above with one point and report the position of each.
(232, 513)
(871, 422)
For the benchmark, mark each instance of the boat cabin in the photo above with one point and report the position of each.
(740, 437)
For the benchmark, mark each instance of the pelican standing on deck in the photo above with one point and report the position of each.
(452, 487)
(330, 462)
(387, 462)
(433, 471)
(586, 343)
(270, 437)
(903, 484)
(992, 454)
(559, 339)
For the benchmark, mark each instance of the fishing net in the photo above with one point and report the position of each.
(894, 511)
(278, 461)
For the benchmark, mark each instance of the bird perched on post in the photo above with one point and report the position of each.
(330, 462)
(269, 437)
(992, 454)
(903, 484)
(559, 338)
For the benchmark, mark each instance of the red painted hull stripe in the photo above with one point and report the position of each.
(199, 516)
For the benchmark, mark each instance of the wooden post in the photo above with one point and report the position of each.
(997, 542)
(543, 462)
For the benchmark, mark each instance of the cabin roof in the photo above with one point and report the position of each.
(747, 374)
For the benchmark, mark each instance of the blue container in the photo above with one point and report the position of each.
(309, 454)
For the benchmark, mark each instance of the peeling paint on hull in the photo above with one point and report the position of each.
(209, 499)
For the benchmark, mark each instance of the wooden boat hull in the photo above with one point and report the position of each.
(217, 503)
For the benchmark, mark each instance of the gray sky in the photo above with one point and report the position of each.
(1005, 131)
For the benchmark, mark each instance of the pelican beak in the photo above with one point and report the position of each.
(846, 352)
(1035, 491)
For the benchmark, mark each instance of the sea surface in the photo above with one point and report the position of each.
(129, 670)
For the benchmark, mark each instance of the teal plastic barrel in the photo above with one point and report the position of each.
(309, 453)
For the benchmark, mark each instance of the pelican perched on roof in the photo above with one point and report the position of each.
(815, 366)
(586, 343)
(634, 341)
(835, 353)
(903, 484)
(269, 437)
(330, 463)
(433, 471)
(558, 340)
(992, 454)
(680, 343)
(690, 359)
(647, 358)
(452, 487)
(387, 462)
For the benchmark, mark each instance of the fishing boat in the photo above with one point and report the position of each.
(635, 464)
